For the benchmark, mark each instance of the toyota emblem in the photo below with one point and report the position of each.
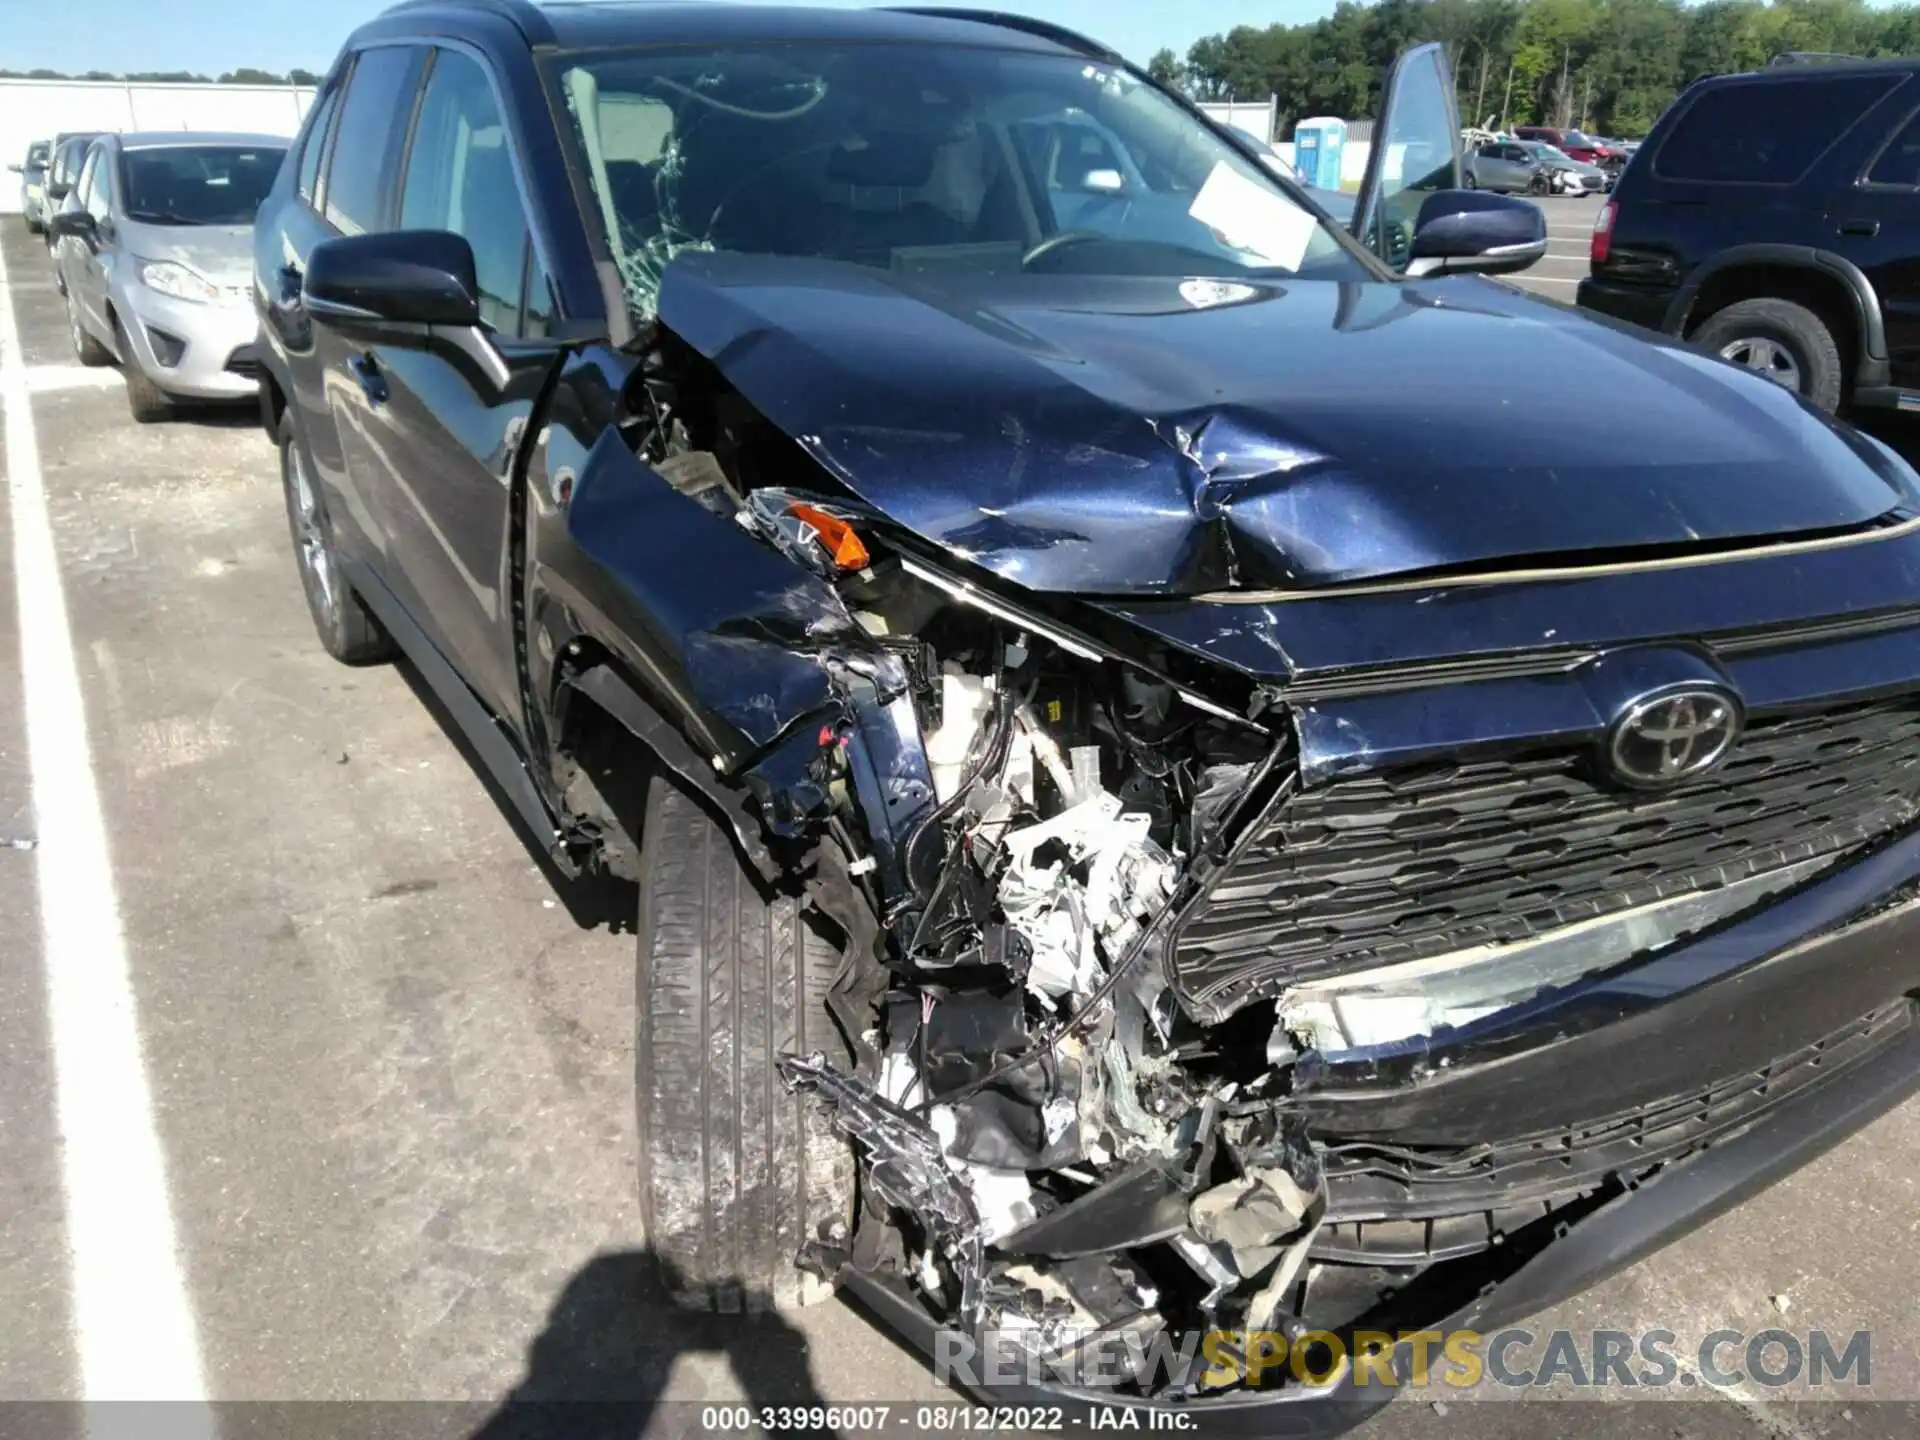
(1662, 739)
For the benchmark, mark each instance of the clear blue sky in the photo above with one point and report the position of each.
(210, 36)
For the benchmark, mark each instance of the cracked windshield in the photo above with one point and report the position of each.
(927, 161)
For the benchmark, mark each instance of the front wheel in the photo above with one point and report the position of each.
(736, 1174)
(148, 402)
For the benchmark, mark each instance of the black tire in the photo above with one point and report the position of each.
(86, 349)
(735, 1173)
(148, 402)
(348, 630)
(1794, 329)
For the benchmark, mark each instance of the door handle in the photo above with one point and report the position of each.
(366, 370)
(1860, 227)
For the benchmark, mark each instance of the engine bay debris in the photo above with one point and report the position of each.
(1056, 1152)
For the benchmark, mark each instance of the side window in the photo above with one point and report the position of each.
(68, 159)
(1767, 132)
(1899, 163)
(83, 187)
(315, 147)
(99, 201)
(366, 147)
(460, 177)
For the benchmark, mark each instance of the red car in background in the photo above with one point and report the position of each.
(1578, 146)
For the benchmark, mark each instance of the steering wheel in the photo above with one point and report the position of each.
(1058, 242)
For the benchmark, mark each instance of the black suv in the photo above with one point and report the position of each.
(1774, 219)
(1150, 807)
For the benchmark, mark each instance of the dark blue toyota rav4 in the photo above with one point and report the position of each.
(1155, 810)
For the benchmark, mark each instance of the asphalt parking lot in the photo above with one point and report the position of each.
(388, 1064)
(1569, 228)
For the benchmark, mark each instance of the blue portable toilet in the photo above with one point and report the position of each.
(1317, 145)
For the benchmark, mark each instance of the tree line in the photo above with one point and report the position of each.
(1609, 66)
(242, 76)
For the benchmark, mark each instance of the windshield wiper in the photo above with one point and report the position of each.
(164, 217)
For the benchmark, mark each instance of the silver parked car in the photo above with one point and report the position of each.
(1503, 165)
(1592, 178)
(154, 246)
(33, 185)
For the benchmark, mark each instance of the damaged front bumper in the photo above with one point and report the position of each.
(1614, 1235)
(1814, 998)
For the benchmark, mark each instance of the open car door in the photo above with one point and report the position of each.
(1415, 152)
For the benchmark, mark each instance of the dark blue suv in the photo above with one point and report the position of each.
(1162, 818)
(1769, 218)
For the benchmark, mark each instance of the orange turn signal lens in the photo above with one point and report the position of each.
(837, 535)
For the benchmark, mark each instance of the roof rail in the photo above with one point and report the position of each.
(525, 16)
(1045, 30)
(1812, 57)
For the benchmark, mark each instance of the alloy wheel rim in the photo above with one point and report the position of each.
(316, 560)
(1766, 357)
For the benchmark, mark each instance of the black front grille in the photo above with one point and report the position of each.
(1378, 869)
(1391, 1204)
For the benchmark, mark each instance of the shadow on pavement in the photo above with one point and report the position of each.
(593, 899)
(600, 1367)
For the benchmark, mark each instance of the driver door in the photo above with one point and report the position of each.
(1415, 151)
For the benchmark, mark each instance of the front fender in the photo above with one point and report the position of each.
(727, 634)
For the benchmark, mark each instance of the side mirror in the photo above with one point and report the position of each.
(1461, 230)
(1103, 182)
(402, 277)
(17, 169)
(74, 222)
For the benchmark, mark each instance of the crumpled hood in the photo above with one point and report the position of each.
(1149, 436)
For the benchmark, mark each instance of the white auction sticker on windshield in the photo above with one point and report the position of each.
(1253, 217)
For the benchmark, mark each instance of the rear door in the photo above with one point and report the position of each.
(1877, 226)
(445, 423)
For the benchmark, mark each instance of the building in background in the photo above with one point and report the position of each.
(1256, 117)
(39, 109)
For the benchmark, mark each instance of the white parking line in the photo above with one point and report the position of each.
(133, 1325)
